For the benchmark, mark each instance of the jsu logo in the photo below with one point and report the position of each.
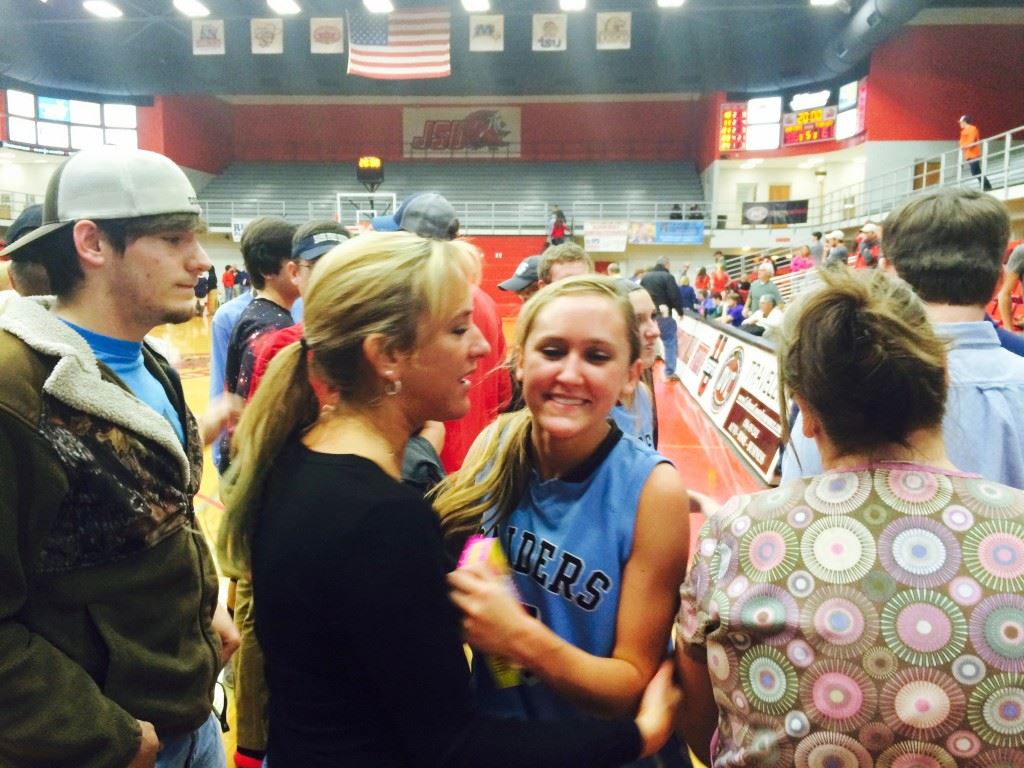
(481, 129)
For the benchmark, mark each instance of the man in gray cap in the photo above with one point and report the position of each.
(111, 636)
(525, 281)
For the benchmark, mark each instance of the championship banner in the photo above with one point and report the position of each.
(487, 32)
(467, 131)
(776, 212)
(208, 37)
(237, 228)
(605, 236)
(549, 32)
(267, 36)
(326, 35)
(614, 31)
(735, 382)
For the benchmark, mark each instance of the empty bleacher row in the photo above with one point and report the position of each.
(504, 196)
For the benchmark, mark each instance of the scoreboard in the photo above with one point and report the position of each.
(732, 135)
(809, 126)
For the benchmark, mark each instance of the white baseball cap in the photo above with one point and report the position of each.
(111, 183)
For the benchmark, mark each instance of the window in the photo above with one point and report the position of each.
(52, 123)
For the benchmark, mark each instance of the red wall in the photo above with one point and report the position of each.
(502, 254)
(924, 77)
(195, 131)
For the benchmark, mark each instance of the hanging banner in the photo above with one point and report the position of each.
(549, 32)
(267, 36)
(208, 37)
(326, 35)
(674, 232)
(487, 32)
(614, 31)
(735, 382)
(461, 131)
(776, 212)
(605, 236)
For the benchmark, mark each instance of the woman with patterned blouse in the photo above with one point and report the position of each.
(872, 615)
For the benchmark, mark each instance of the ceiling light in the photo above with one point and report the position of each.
(284, 7)
(476, 6)
(670, 3)
(378, 6)
(572, 5)
(824, 2)
(103, 9)
(192, 8)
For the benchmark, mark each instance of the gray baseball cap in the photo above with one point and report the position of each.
(111, 183)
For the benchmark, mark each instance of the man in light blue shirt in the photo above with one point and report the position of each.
(948, 246)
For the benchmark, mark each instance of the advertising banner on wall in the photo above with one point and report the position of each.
(776, 212)
(735, 383)
(605, 236)
(675, 232)
(462, 131)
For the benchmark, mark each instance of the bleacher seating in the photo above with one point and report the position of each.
(301, 190)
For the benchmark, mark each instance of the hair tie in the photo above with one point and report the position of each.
(304, 344)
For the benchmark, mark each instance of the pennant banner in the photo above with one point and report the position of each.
(401, 45)
(267, 35)
(487, 33)
(614, 31)
(549, 32)
(208, 37)
(326, 36)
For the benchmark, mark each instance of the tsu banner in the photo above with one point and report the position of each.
(549, 32)
(776, 212)
(462, 131)
(605, 236)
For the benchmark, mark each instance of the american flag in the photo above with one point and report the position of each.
(402, 45)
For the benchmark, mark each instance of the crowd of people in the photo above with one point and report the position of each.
(865, 612)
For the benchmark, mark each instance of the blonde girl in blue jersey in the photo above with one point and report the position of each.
(595, 525)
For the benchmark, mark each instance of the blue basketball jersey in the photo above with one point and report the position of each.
(637, 419)
(568, 543)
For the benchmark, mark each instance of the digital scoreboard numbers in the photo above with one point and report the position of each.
(732, 134)
(809, 126)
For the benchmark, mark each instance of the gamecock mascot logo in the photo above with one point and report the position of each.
(484, 128)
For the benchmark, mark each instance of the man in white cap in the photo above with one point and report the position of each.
(836, 252)
(869, 246)
(111, 636)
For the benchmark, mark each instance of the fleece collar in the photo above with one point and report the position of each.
(76, 379)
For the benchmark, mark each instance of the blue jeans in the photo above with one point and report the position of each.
(203, 748)
(668, 327)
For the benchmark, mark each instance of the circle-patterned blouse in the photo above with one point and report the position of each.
(864, 618)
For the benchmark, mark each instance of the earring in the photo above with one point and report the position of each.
(392, 388)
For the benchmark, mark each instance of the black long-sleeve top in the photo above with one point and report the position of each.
(364, 662)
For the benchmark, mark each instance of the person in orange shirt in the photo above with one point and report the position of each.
(970, 149)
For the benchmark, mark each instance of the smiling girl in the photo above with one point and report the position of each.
(594, 524)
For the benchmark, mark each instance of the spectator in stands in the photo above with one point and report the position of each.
(663, 289)
(719, 279)
(948, 244)
(970, 148)
(817, 248)
(869, 246)
(1012, 274)
(869, 615)
(228, 281)
(242, 281)
(709, 306)
(212, 298)
(556, 226)
(561, 261)
(430, 215)
(732, 309)
(767, 258)
(694, 213)
(801, 259)
(200, 290)
(28, 277)
(763, 286)
(687, 294)
(702, 281)
(525, 281)
(766, 321)
(835, 251)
